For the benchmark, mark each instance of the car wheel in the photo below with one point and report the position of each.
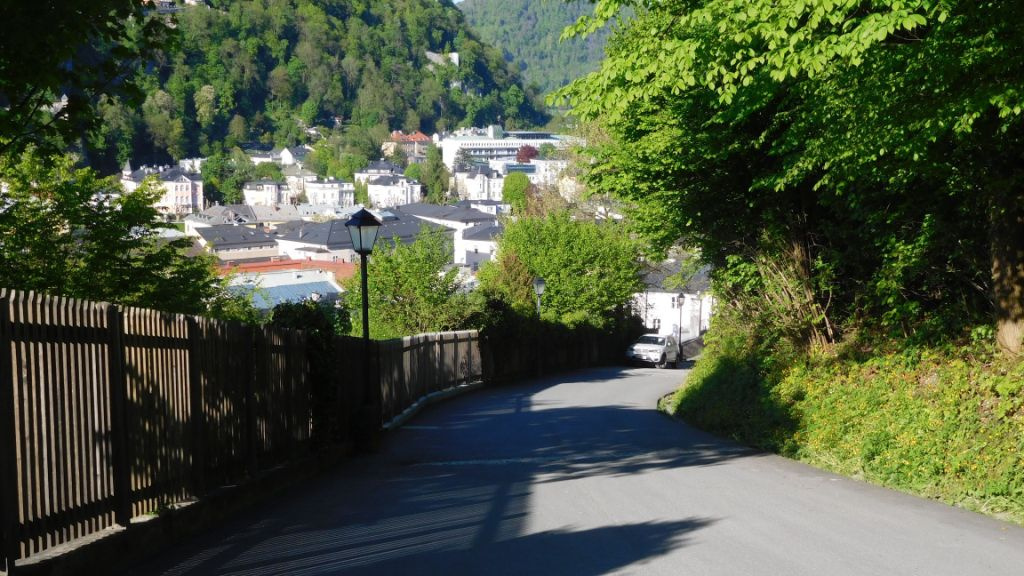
(661, 363)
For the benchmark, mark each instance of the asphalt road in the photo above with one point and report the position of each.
(579, 475)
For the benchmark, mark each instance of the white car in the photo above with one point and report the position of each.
(657, 349)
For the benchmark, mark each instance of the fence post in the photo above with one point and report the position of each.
(249, 377)
(9, 522)
(118, 418)
(196, 411)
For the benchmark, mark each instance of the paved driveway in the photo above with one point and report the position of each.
(578, 474)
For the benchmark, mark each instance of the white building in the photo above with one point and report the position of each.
(375, 169)
(477, 244)
(682, 312)
(389, 190)
(493, 142)
(478, 183)
(182, 190)
(330, 192)
(266, 193)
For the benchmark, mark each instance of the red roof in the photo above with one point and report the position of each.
(417, 136)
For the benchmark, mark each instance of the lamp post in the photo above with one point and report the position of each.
(363, 227)
(700, 313)
(538, 288)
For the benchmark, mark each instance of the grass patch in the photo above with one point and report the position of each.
(946, 424)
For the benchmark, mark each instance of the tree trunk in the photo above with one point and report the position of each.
(1006, 218)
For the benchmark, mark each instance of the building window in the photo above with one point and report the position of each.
(657, 324)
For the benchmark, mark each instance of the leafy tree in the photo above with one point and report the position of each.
(411, 288)
(268, 171)
(67, 232)
(362, 193)
(435, 176)
(49, 52)
(525, 154)
(590, 268)
(514, 190)
(833, 161)
(414, 172)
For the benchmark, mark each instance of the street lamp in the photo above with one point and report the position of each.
(538, 288)
(363, 227)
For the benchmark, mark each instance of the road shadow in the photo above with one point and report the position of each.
(456, 492)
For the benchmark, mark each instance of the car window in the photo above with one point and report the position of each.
(650, 340)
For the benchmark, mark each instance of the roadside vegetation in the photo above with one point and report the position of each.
(942, 421)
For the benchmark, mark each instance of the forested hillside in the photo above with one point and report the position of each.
(528, 31)
(262, 71)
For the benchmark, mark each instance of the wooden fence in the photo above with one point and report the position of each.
(109, 414)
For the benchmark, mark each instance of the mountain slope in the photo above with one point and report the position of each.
(527, 31)
(261, 71)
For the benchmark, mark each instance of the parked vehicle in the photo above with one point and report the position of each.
(658, 349)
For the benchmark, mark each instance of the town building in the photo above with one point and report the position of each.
(182, 190)
(390, 190)
(477, 244)
(480, 145)
(331, 241)
(266, 193)
(268, 289)
(230, 242)
(375, 169)
(413, 145)
(330, 192)
(665, 308)
(478, 183)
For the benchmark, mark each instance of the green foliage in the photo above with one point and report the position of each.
(435, 176)
(67, 232)
(514, 190)
(590, 268)
(320, 322)
(411, 288)
(414, 172)
(945, 423)
(264, 70)
(831, 161)
(530, 32)
(48, 51)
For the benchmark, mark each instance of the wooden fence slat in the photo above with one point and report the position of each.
(9, 534)
(116, 410)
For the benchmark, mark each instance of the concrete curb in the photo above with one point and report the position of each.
(433, 397)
